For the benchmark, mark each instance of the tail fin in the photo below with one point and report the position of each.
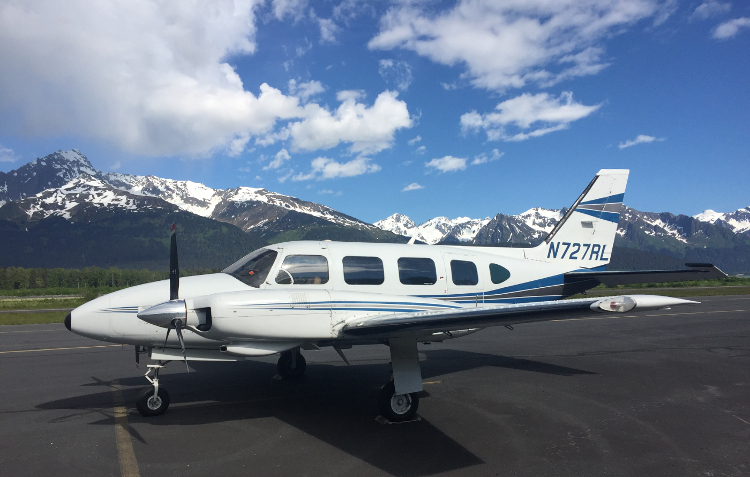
(584, 236)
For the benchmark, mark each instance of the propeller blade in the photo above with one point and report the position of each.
(178, 328)
(165, 339)
(174, 268)
(137, 356)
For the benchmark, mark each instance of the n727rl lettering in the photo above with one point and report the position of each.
(296, 296)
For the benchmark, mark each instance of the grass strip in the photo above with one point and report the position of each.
(32, 318)
(40, 303)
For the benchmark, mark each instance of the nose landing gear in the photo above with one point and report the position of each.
(153, 402)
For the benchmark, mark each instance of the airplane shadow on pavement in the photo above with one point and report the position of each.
(333, 403)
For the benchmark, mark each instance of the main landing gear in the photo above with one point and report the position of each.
(291, 364)
(397, 407)
(153, 402)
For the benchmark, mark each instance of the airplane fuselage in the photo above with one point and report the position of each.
(335, 282)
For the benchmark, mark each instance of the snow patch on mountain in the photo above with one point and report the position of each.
(83, 191)
(738, 221)
(463, 229)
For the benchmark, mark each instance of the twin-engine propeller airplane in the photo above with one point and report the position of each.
(295, 296)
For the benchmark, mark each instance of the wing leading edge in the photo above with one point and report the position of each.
(485, 316)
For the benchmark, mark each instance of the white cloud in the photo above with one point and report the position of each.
(412, 186)
(116, 166)
(237, 145)
(305, 90)
(328, 28)
(271, 138)
(421, 150)
(731, 28)
(641, 139)
(368, 129)
(508, 44)
(447, 164)
(348, 10)
(709, 9)
(541, 112)
(293, 8)
(483, 158)
(330, 192)
(7, 155)
(414, 140)
(278, 160)
(396, 72)
(325, 168)
(284, 177)
(149, 77)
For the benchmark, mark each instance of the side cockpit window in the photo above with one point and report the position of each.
(303, 270)
(253, 268)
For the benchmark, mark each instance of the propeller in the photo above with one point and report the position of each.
(174, 289)
(174, 268)
(172, 313)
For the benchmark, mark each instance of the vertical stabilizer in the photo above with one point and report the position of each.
(585, 235)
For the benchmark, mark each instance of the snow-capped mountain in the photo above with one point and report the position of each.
(79, 198)
(48, 172)
(246, 207)
(738, 221)
(531, 225)
(398, 224)
(462, 229)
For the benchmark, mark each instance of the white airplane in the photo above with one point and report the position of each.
(295, 296)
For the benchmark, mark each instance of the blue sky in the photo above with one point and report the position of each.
(423, 108)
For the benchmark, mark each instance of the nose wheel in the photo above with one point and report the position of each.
(153, 402)
(397, 407)
(291, 364)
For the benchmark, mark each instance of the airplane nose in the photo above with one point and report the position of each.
(67, 321)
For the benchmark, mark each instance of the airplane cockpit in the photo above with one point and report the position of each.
(253, 268)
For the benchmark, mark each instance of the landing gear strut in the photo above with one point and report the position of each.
(397, 407)
(291, 364)
(153, 402)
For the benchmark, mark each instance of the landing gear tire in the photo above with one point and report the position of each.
(397, 407)
(288, 368)
(149, 405)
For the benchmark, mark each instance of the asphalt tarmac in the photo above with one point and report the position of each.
(663, 393)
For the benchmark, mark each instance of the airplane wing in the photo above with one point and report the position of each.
(696, 271)
(493, 315)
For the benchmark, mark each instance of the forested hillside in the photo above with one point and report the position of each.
(137, 240)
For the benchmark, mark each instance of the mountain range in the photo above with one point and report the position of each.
(64, 186)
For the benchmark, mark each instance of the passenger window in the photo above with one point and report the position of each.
(253, 268)
(464, 273)
(363, 271)
(303, 270)
(416, 271)
(498, 274)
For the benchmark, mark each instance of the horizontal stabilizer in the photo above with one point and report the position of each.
(697, 271)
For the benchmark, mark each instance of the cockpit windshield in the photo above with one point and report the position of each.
(252, 269)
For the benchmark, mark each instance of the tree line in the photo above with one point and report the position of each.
(18, 278)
